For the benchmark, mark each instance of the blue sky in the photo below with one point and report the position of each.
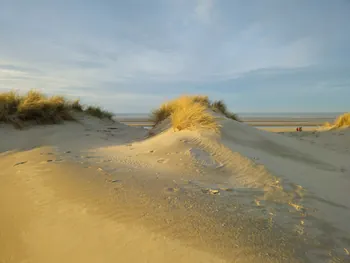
(257, 55)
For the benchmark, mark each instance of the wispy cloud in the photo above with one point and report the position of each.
(203, 10)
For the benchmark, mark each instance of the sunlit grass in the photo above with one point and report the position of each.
(341, 121)
(191, 112)
(36, 106)
(191, 115)
(183, 110)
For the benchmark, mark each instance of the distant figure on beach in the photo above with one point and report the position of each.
(299, 129)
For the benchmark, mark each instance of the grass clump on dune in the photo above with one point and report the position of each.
(163, 112)
(42, 109)
(9, 102)
(341, 121)
(98, 112)
(75, 105)
(191, 112)
(220, 107)
(192, 115)
(203, 100)
(167, 109)
(90, 110)
(35, 106)
(176, 109)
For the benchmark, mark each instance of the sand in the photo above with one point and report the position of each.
(98, 191)
(334, 140)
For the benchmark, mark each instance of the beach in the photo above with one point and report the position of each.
(266, 121)
(174, 131)
(102, 191)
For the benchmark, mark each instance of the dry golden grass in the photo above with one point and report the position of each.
(167, 109)
(187, 112)
(341, 121)
(35, 106)
(42, 109)
(190, 112)
(192, 115)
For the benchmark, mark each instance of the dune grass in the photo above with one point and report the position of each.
(220, 107)
(42, 109)
(341, 121)
(192, 115)
(167, 109)
(75, 105)
(203, 100)
(191, 112)
(98, 112)
(9, 102)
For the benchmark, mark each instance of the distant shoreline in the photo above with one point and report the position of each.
(259, 123)
(273, 122)
(256, 120)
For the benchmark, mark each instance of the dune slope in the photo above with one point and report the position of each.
(101, 192)
(303, 186)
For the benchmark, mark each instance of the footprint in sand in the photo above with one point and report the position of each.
(20, 163)
(118, 184)
(171, 190)
(49, 153)
(211, 191)
(161, 160)
(343, 170)
(227, 189)
(116, 181)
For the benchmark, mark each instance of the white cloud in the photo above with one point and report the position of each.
(10, 73)
(203, 10)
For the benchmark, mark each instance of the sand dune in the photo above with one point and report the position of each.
(98, 191)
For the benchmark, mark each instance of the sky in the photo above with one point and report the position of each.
(130, 56)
